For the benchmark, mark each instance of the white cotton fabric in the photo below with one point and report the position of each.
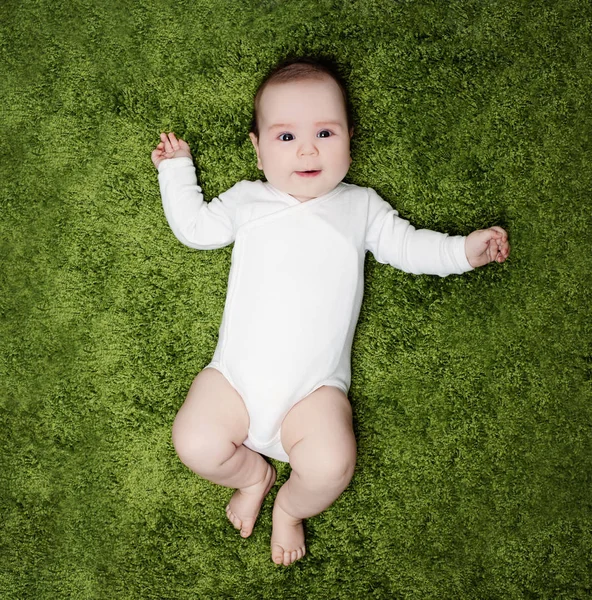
(296, 282)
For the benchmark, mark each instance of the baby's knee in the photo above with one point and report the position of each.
(189, 442)
(333, 467)
(202, 449)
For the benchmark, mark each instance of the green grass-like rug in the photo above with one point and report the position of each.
(471, 394)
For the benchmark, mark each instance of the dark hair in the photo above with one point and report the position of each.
(298, 69)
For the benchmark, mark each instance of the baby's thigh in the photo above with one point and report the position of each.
(213, 409)
(319, 430)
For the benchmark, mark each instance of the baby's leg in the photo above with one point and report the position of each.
(208, 434)
(318, 436)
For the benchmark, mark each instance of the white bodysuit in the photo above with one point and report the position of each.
(296, 282)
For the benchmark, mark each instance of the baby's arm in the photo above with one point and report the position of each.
(195, 223)
(395, 241)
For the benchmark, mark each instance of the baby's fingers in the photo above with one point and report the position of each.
(502, 233)
(170, 142)
(492, 251)
(504, 251)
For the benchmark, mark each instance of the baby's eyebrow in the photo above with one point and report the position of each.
(280, 126)
(317, 124)
(329, 123)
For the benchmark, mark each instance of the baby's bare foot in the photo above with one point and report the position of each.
(287, 538)
(244, 506)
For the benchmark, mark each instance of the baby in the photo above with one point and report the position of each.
(278, 381)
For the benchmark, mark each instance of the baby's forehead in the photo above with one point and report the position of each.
(285, 96)
(317, 80)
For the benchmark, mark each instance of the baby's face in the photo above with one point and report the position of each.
(303, 146)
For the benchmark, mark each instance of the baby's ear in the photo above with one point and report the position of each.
(255, 142)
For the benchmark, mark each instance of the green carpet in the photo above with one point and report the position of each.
(471, 394)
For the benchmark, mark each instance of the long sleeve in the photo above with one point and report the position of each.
(393, 240)
(195, 223)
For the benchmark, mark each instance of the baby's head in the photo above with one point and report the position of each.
(302, 127)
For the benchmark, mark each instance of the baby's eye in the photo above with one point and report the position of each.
(325, 133)
(286, 137)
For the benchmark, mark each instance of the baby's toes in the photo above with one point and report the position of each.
(247, 527)
(233, 518)
(277, 554)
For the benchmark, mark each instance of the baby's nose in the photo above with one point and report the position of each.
(308, 148)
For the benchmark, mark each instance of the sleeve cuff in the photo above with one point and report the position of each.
(460, 254)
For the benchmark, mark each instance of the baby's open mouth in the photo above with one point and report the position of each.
(308, 173)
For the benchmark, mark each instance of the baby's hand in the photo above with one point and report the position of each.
(486, 245)
(169, 147)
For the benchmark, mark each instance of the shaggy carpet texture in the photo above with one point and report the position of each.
(471, 394)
